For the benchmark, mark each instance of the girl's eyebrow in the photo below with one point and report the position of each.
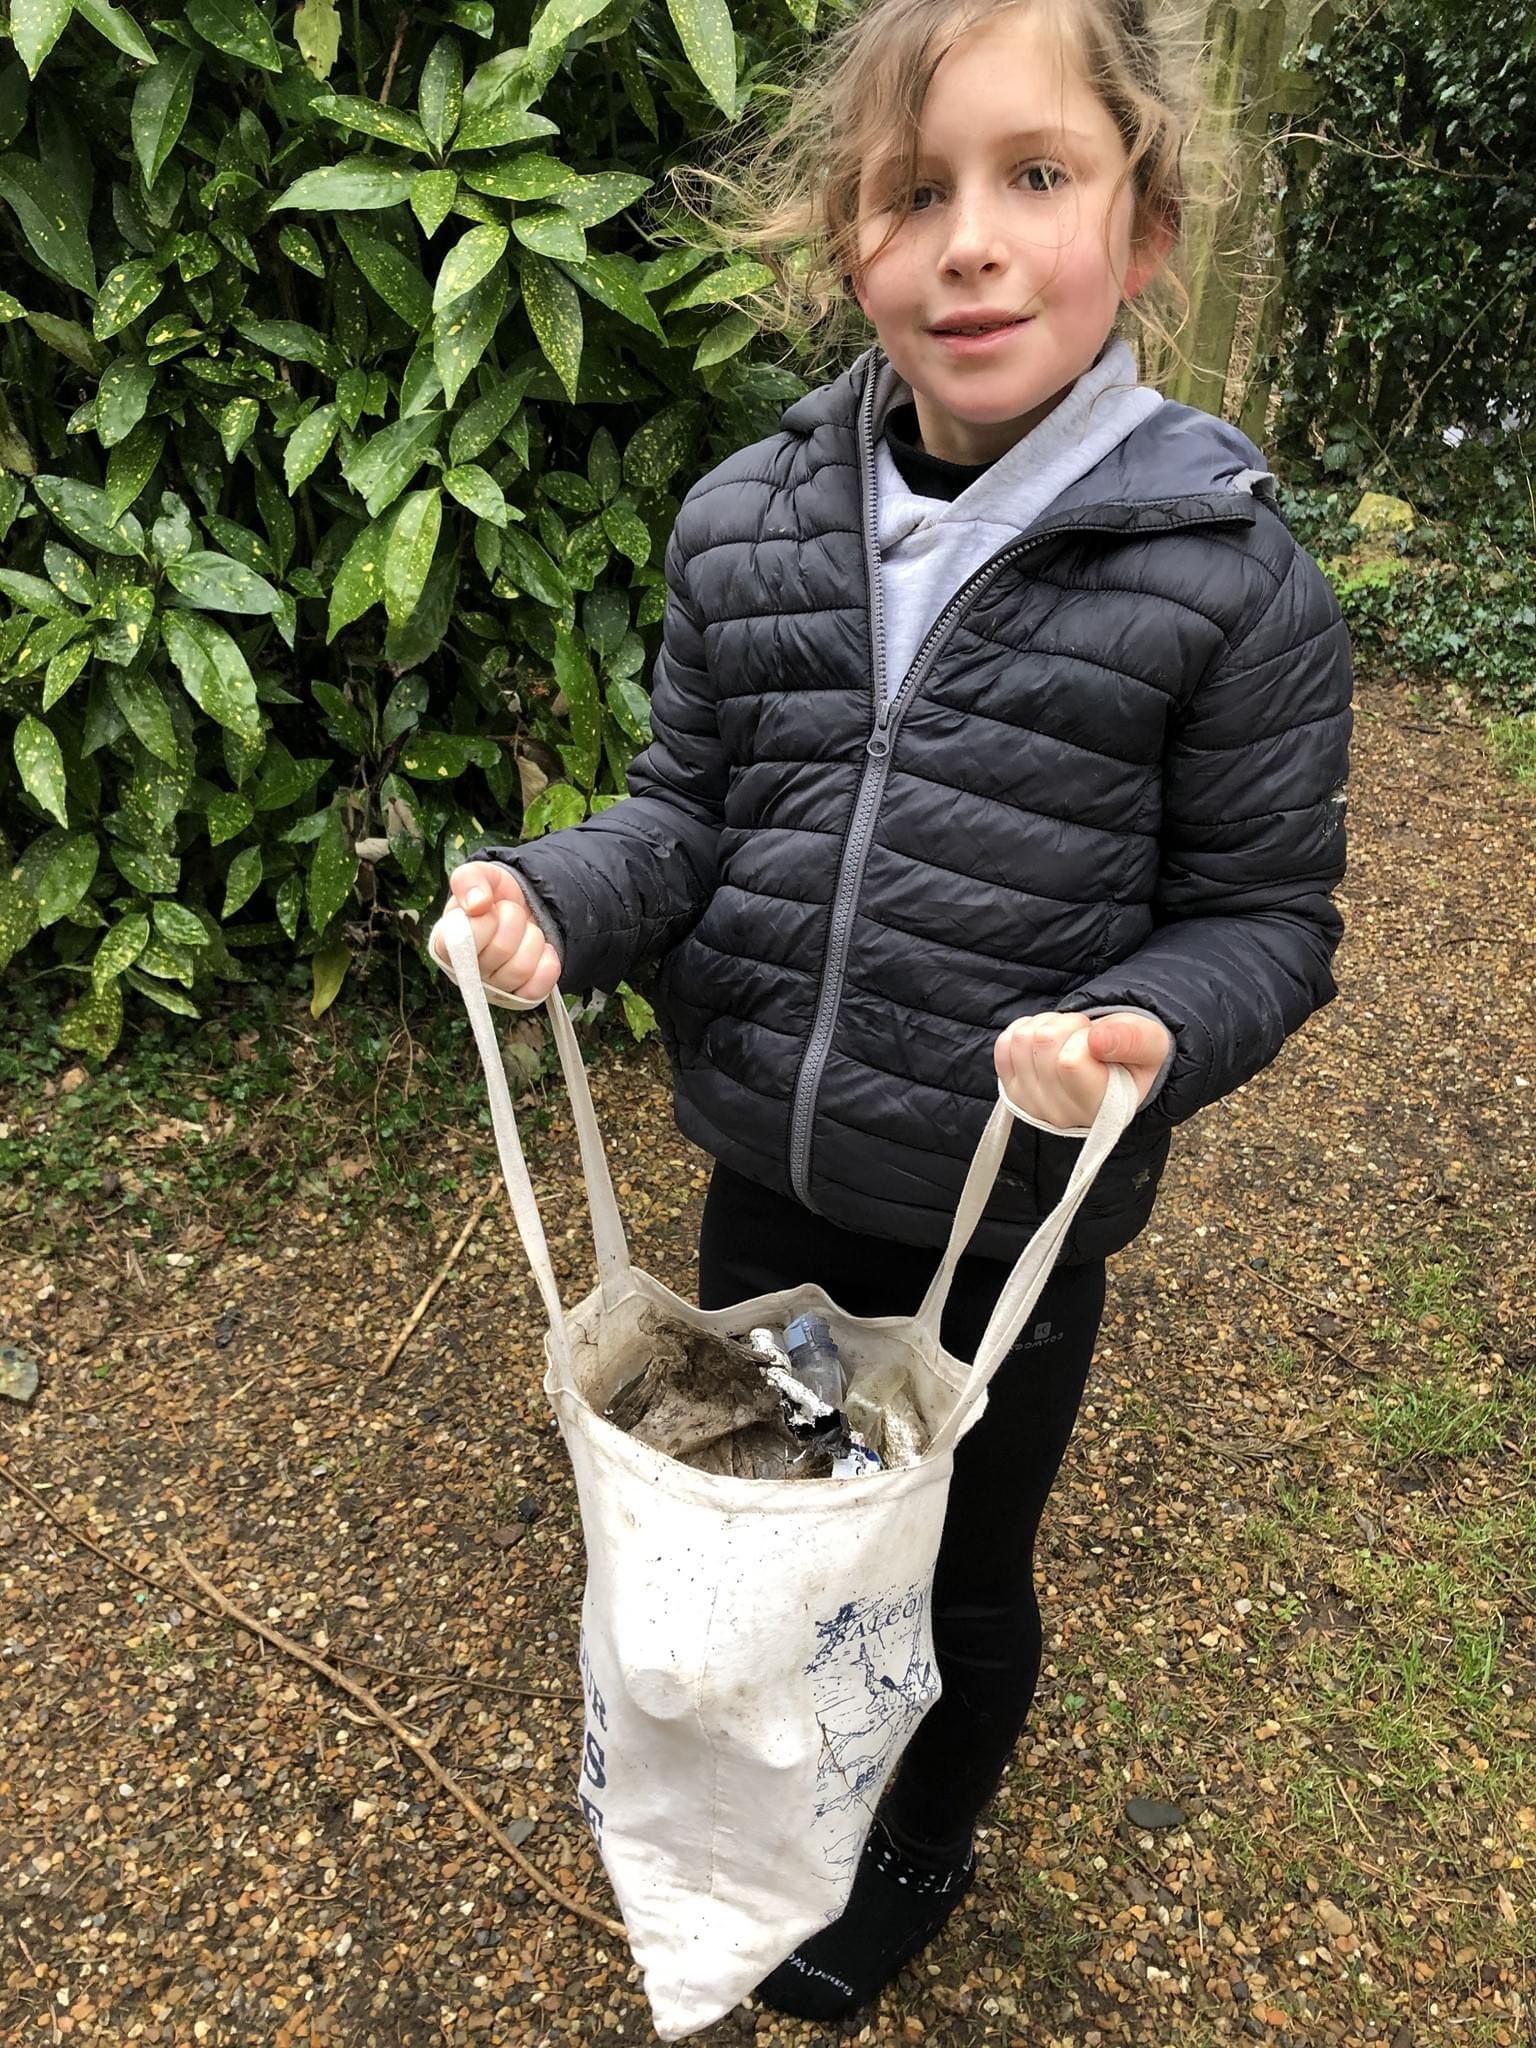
(1052, 137)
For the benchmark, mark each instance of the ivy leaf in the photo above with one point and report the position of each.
(554, 313)
(462, 332)
(471, 258)
(440, 96)
(408, 557)
(239, 28)
(86, 512)
(40, 763)
(432, 198)
(36, 26)
(125, 293)
(216, 583)
(709, 43)
(358, 184)
(54, 230)
(367, 117)
(119, 29)
(214, 672)
(309, 444)
(317, 31)
(477, 490)
(332, 870)
(161, 102)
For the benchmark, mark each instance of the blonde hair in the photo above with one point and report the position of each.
(790, 195)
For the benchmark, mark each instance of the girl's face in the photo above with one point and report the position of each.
(1015, 219)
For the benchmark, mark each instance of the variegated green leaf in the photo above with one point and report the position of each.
(532, 176)
(440, 96)
(122, 945)
(462, 332)
(36, 26)
(360, 579)
(122, 398)
(64, 670)
(478, 491)
(381, 469)
(728, 337)
(214, 672)
(409, 555)
(118, 28)
(95, 1023)
(367, 117)
(226, 816)
(317, 31)
(549, 232)
(731, 281)
(329, 970)
(397, 280)
(593, 200)
(432, 198)
(65, 875)
(141, 700)
(87, 513)
(332, 871)
(33, 594)
(661, 446)
(239, 28)
(178, 925)
(614, 281)
(309, 444)
(554, 313)
(242, 881)
(573, 673)
(358, 184)
(498, 127)
(214, 582)
(470, 259)
(131, 465)
(40, 763)
(709, 43)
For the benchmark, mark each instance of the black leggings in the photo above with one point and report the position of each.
(986, 1619)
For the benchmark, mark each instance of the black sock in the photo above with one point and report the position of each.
(895, 1909)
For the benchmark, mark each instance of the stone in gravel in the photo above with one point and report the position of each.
(529, 1509)
(1154, 1813)
(18, 1373)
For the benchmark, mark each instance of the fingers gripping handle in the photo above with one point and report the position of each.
(459, 940)
(1025, 1283)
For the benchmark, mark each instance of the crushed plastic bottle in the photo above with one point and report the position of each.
(881, 1411)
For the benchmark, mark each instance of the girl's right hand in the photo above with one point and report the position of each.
(515, 956)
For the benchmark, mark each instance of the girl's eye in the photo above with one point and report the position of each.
(916, 201)
(1044, 178)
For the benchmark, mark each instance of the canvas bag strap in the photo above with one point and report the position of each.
(1026, 1282)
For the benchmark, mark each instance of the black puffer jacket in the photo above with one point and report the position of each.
(1113, 776)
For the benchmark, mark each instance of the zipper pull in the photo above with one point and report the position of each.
(878, 745)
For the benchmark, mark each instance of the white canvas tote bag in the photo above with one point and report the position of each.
(756, 1654)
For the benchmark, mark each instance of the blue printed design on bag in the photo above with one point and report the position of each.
(872, 1679)
(594, 1760)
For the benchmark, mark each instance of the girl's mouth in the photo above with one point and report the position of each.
(976, 340)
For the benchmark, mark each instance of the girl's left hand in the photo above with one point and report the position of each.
(1056, 1067)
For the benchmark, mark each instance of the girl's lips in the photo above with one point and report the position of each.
(977, 344)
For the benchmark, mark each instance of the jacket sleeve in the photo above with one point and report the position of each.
(1252, 848)
(614, 892)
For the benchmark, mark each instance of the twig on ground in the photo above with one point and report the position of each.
(436, 1282)
(464, 1678)
(418, 1745)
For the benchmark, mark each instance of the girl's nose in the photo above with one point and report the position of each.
(975, 245)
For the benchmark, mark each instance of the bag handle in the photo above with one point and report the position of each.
(1026, 1282)
(607, 1228)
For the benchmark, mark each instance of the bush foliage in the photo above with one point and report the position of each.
(345, 387)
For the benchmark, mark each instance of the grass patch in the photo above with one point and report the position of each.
(1513, 744)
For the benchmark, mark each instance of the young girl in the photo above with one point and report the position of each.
(999, 724)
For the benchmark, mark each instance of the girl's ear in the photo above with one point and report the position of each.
(1148, 255)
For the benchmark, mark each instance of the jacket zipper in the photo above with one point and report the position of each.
(878, 749)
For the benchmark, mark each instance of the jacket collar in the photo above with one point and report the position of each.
(1177, 468)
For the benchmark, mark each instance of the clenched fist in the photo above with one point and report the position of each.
(515, 957)
(1056, 1067)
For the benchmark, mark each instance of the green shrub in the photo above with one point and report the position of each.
(344, 402)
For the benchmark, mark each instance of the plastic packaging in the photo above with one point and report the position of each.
(881, 1410)
(813, 1358)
